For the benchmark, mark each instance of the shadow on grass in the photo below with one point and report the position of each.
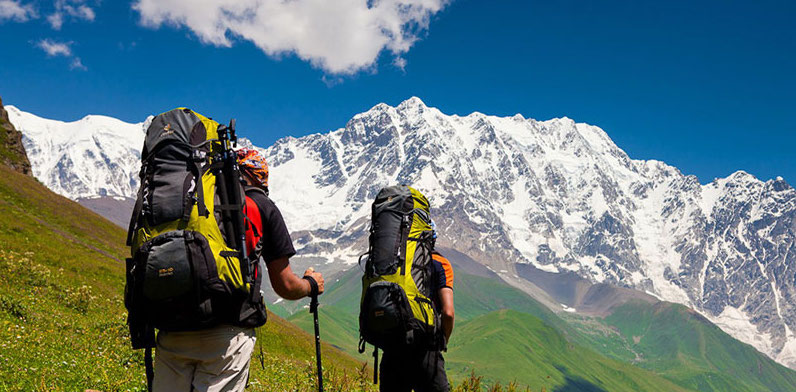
(576, 384)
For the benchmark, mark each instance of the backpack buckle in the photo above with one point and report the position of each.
(199, 155)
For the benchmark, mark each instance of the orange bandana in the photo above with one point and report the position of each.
(252, 163)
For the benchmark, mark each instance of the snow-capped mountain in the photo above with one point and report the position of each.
(555, 194)
(561, 196)
(94, 156)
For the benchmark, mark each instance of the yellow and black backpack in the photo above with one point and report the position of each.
(189, 268)
(396, 309)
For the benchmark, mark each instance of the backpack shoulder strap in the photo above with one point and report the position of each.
(254, 227)
(139, 202)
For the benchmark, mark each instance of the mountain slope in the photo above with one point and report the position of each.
(484, 331)
(682, 345)
(62, 321)
(510, 345)
(474, 296)
(510, 192)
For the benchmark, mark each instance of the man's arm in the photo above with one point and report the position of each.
(277, 248)
(446, 308)
(288, 285)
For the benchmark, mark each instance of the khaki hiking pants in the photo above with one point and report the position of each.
(211, 360)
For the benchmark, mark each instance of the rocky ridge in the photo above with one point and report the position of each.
(12, 152)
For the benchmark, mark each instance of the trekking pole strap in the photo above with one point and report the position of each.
(313, 293)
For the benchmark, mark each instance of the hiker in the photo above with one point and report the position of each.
(217, 359)
(196, 236)
(407, 305)
(419, 368)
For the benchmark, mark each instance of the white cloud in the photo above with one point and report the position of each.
(56, 20)
(399, 62)
(16, 11)
(76, 9)
(54, 48)
(340, 37)
(77, 64)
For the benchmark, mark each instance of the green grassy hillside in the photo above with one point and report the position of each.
(338, 312)
(667, 339)
(491, 341)
(684, 346)
(62, 321)
(474, 296)
(509, 345)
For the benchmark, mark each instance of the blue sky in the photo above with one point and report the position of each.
(708, 86)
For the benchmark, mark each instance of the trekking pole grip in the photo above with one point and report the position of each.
(313, 293)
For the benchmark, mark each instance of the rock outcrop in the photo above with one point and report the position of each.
(12, 152)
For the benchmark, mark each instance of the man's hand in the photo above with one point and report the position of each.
(289, 285)
(318, 279)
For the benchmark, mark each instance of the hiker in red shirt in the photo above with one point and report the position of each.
(217, 359)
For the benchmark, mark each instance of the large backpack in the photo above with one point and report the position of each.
(396, 309)
(188, 269)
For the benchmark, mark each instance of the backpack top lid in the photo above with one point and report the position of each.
(411, 196)
(181, 125)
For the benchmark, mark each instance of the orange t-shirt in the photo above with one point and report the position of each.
(442, 272)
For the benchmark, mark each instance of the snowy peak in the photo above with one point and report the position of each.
(86, 128)
(93, 156)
